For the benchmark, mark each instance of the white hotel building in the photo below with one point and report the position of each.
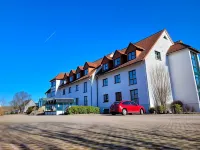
(124, 75)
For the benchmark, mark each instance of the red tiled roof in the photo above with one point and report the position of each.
(144, 44)
(180, 46)
(60, 76)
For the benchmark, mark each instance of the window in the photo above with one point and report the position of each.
(85, 101)
(105, 67)
(64, 81)
(165, 37)
(196, 70)
(105, 98)
(157, 55)
(118, 96)
(71, 78)
(134, 96)
(77, 101)
(132, 77)
(63, 91)
(126, 103)
(85, 71)
(117, 78)
(78, 75)
(53, 84)
(76, 87)
(69, 89)
(131, 56)
(85, 87)
(117, 62)
(105, 82)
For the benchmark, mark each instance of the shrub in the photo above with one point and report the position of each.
(173, 105)
(30, 109)
(161, 109)
(192, 109)
(83, 110)
(178, 109)
(152, 110)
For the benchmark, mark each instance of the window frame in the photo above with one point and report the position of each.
(116, 98)
(132, 55)
(77, 101)
(85, 87)
(64, 92)
(134, 79)
(105, 98)
(105, 67)
(77, 87)
(85, 101)
(71, 78)
(78, 75)
(117, 62)
(105, 83)
(115, 77)
(132, 95)
(158, 55)
(69, 90)
(86, 72)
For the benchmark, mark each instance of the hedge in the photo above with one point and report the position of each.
(83, 110)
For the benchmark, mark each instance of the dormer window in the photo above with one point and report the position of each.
(78, 75)
(85, 71)
(131, 55)
(117, 62)
(71, 79)
(64, 81)
(105, 67)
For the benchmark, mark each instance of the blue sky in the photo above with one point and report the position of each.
(81, 31)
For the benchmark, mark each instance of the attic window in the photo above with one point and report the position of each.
(165, 38)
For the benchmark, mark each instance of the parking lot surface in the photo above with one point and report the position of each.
(100, 132)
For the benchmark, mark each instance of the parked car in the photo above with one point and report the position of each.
(126, 107)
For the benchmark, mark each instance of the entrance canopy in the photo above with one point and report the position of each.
(60, 100)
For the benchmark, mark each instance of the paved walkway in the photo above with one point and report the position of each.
(100, 132)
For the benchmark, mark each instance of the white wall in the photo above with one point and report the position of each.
(182, 77)
(162, 46)
(123, 86)
(91, 82)
(31, 103)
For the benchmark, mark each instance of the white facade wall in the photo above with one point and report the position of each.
(123, 86)
(30, 104)
(162, 46)
(91, 88)
(182, 78)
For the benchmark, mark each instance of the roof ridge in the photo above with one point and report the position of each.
(149, 36)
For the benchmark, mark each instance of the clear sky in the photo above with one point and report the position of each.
(40, 38)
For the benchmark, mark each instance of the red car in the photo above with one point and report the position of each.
(126, 107)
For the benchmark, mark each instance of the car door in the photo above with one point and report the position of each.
(127, 106)
(134, 107)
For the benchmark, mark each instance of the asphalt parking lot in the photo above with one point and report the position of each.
(100, 132)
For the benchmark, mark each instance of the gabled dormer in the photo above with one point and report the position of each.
(72, 75)
(66, 78)
(119, 58)
(79, 72)
(133, 51)
(88, 67)
(107, 63)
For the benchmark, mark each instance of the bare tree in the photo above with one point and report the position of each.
(19, 99)
(2, 103)
(160, 85)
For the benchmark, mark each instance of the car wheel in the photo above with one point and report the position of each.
(141, 111)
(113, 113)
(124, 112)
